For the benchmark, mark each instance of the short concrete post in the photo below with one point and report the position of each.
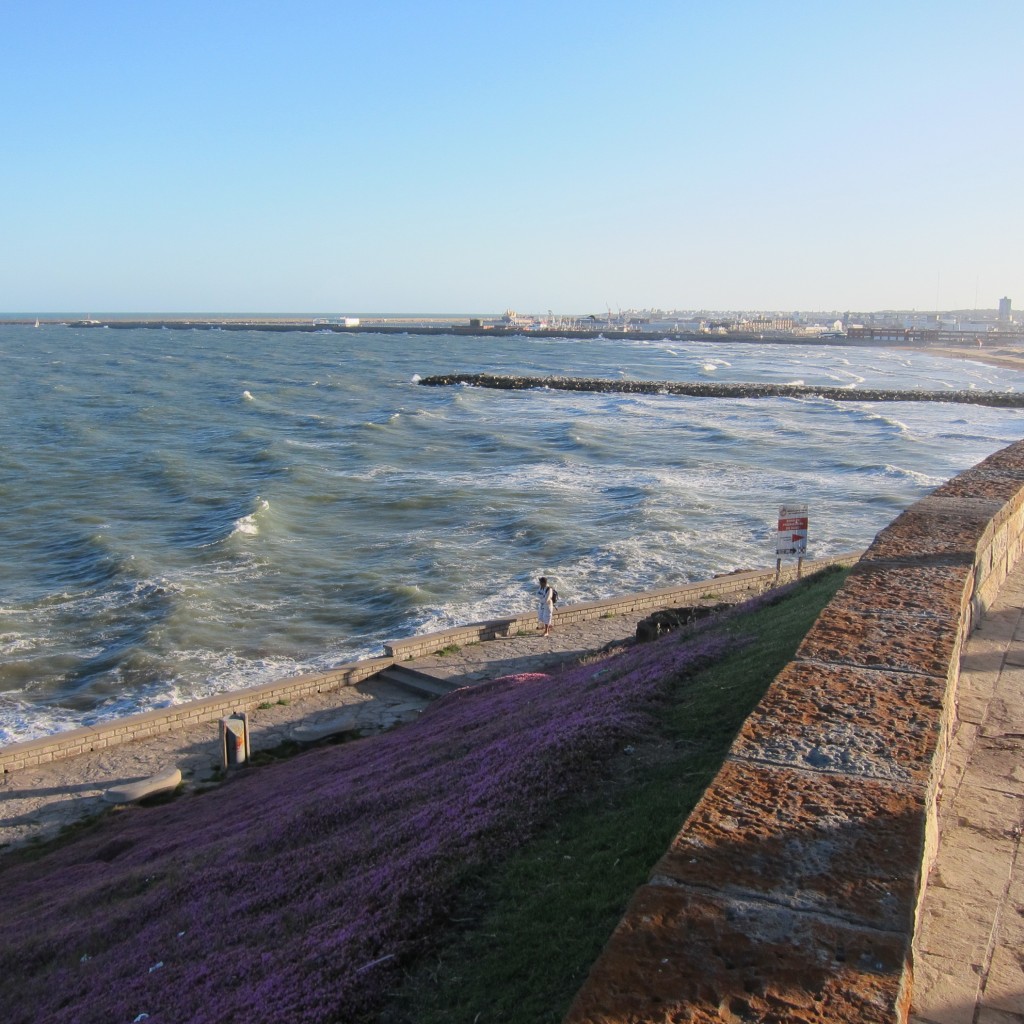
(234, 740)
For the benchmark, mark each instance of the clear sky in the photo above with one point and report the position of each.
(472, 155)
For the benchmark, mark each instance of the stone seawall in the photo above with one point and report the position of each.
(791, 892)
(152, 723)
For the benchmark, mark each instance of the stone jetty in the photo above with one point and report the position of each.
(702, 389)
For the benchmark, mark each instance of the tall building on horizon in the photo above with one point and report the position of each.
(1005, 313)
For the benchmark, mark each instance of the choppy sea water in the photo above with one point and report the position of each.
(189, 512)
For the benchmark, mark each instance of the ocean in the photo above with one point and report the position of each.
(191, 512)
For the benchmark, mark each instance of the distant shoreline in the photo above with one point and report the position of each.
(1002, 357)
(397, 325)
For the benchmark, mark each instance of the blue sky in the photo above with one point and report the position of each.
(459, 156)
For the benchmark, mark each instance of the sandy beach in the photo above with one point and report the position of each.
(994, 354)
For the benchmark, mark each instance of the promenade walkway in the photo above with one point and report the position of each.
(969, 944)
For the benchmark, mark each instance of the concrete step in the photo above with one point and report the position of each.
(419, 683)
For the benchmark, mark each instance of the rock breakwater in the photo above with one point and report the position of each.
(702, 389)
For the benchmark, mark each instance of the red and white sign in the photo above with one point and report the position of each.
(792, 535)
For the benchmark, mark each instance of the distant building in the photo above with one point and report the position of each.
(510, 318)
(1005, 313)
(765, 324)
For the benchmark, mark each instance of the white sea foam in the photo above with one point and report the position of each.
(890, 421)
(249, 525)
(903, 473)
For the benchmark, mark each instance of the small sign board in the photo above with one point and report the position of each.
(792, 535)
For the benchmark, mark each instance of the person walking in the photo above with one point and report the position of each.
(545, 605)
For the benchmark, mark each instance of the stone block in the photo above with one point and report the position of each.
(923, 537)
(995, 483)
(986, 1015)
(866, 722)
(947, 992)
(680, 956)
(875, 585)
(827, 844)
(996, 764)
(976, 865)
(969, 941)
(1004, 986)
(920, 643)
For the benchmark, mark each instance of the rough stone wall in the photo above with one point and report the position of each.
(791, 892)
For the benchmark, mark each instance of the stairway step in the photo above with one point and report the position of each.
(420, 683)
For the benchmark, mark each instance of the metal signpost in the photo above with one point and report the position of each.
(792, 536)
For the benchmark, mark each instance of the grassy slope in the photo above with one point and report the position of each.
(531, 927)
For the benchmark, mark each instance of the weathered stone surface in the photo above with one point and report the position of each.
(944, 982)
(865, 722)
(681, 956)
(875, 585)
(973, 913)
(826, 843)
(1004, 987)
(997, 764)
(1008, 459)
(921, 536)
(999, 478)
(919, 643)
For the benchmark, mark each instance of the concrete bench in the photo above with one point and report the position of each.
(130, 792)
(315, 731)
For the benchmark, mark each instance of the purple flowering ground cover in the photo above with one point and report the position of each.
(297, 892)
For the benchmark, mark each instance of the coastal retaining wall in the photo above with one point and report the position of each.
(791, 892)
(152, 723)
(730, 587)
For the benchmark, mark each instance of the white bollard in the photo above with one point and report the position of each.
(234, 740)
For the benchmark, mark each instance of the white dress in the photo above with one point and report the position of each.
(545, 607)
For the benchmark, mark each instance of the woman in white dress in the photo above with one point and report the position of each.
(545, 605)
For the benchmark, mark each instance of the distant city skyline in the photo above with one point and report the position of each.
(1002, 313)
(411, 158)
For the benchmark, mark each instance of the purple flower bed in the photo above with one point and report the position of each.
(296, 893)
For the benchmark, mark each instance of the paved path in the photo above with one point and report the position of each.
(37, 802)
(969, 947)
